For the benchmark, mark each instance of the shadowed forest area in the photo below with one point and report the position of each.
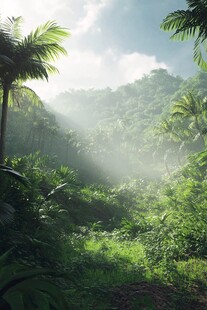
(103, 193)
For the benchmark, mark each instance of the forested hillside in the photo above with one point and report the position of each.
(102, 192)
(119, 132)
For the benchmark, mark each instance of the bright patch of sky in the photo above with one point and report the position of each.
(113, 42)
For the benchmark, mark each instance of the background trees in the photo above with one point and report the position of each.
(114, 130)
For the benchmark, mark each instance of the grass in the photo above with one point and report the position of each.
(194, 270)
(130, 251)
(108, 260)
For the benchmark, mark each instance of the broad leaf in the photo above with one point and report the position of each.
(56, 296)
(14, 174)
(6, 212)
(15, 300)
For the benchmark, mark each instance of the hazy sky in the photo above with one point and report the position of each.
(112, 42)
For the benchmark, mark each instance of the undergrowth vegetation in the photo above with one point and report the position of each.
(100, 237)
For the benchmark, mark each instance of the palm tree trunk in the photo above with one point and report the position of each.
(198, 127)
(4, 113)
(167, 167)
(32, 141)
(67, 152)
(27, 140)
(177, 153)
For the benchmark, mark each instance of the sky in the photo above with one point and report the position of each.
(112, 42)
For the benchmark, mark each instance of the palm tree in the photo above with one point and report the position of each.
(170, 131)
(23, 58)
(167, 128)
(188, 24)
(193, 108)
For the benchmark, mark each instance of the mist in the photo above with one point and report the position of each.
(116, 84)
(115, 129)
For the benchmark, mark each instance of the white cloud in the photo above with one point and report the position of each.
(83, 68)
(36, 12)
(92, 10)
(133, 66)
(86, 69)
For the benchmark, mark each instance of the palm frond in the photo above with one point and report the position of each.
(175, 20)
(6, 47)
(32, 69)
(12, 27)
(42, 50)
(55, 190)
(19, 92)
(14, 174)
(184, 23)
(197, 54)
(188, 105)
(4, 60)
(188, 24)
(185, 33)
(180, 109)
(44, 42)
(49, 33)
(192, 3)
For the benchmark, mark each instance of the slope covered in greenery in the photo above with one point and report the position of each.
(116, 236)
(107, 243)
(113, 131)
(103, 192)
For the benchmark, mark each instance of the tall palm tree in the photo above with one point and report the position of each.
(168, 130)
(188, 24)
(23, 58)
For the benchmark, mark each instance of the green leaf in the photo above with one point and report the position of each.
(4, 257)
(8, 271)
(15, 300)
(5, 60)
(4, 304)
(43, 286)
(14, 279)
(6, 213)
(55, 190)
(35, 299)
(14, 174)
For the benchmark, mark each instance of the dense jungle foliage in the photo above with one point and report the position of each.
(134, 237)
(103, 193)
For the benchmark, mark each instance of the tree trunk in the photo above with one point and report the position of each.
(67, 152)
(198, 127)
(27, 140)
(4, 113)
(167, 168)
